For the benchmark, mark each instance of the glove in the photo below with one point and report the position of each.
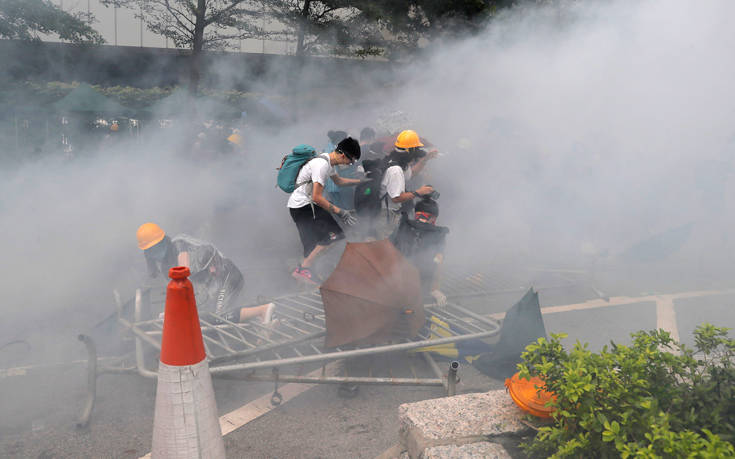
(347, 216)
(441, 299)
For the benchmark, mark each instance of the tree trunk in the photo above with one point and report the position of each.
(197, 46)
(303, 22)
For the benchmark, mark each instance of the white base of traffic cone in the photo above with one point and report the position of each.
(185, 423)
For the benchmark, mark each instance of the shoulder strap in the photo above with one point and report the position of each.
(309, 181)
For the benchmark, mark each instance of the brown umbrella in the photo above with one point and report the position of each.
(373, 296)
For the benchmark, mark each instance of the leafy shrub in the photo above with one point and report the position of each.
(654, 398)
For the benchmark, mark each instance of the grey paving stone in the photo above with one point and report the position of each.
(490, 413)
(481, 449)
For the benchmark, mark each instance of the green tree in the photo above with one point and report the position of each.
(197, 24)
(338, 26)
(408, 23)
(31, 19)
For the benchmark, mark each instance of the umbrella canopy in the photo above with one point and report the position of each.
(84, 98)
(373, 296)
(180, 102)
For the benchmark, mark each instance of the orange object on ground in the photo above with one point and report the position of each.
(526, 395)
(182, 342)
(185, 420)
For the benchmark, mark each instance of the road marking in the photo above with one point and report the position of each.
(258, 407)
(237, 418)
(666, 317)
(622, 300)
(26, 370)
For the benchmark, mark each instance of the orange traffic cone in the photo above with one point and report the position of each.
(185, 423)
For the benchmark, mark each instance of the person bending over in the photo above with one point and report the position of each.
(217, 281)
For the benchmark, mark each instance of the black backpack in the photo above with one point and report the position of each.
(367, 194)
(417, 240)
(420, 243)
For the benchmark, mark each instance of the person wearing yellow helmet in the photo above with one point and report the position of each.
(406, 160)
(217, 281)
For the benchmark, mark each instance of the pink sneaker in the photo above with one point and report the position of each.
(303, 274)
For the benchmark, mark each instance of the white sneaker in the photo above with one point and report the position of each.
(268, 317)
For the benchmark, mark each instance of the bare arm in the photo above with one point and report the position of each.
(403, 197)
(183, 259)
(438, 259)
(318, 198)
(342, 181)
(408, 195)
(421, 163)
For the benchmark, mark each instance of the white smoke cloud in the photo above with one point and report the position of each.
(566, 133)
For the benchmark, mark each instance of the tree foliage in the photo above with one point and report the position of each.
(654, 398)
(197, 24)
(408, 23)
(29, 19)
(325, 27)
(377, 27)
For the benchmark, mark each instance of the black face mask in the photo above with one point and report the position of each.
(405, 158)
(416, 154)
(158, 251)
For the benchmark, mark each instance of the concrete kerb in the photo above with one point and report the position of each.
(482, 449)
(489, 418)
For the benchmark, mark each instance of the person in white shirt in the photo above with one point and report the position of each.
(310, 209)
(405, 160)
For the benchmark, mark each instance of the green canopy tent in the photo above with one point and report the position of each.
(85, 99)
(180, 102)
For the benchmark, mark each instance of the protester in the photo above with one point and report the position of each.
(340, 196)
(217, 281)
(370, 148)
(422, 242)
(310, 210)
(406, 159)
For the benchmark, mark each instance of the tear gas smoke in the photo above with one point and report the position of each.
(568, 134)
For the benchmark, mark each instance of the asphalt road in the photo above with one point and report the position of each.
(38, 410)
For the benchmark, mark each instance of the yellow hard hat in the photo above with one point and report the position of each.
(235, 138)
(149, 234)
(408, 139)
(114, 127)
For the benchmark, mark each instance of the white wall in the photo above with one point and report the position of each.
(128, 28)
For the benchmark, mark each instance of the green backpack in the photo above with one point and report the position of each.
(291, 166)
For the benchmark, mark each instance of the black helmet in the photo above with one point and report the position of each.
(350, 148)
(428, 205)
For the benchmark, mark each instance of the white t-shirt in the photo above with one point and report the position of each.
(393, 184)
(316, 170)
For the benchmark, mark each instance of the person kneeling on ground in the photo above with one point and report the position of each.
(311, 211)
(217, 281)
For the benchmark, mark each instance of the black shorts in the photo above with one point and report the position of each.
(315, 228)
